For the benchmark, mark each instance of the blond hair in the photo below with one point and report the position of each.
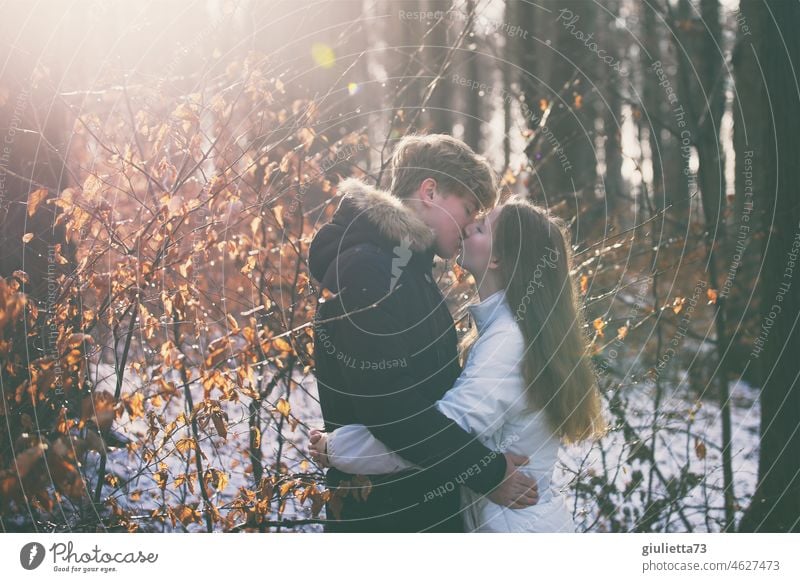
(456, 168)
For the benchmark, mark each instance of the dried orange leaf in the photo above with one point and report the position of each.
(282, 345)
(700, 449)
(34, 199)
(677, 304)
(185, 444)
(283, 407)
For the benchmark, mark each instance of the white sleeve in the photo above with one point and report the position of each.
(491, 387)
(353, 449)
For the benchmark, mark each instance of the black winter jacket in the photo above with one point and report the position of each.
(385, 350)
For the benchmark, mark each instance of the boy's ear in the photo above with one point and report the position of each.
(427, 190)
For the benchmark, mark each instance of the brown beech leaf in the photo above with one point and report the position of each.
(185, 444)
(362, 487)
(99, 408)
(282, 345)
(35, 199)
(218, 419)
(677, 304)
(700, 449)
(283, 407)
(26, 460)
(599, 324)
(584, 284)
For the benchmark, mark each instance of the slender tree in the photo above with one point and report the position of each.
(768, 64)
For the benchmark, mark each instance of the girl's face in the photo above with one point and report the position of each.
(476, 255)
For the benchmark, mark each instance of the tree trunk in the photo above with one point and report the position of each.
(773, 127)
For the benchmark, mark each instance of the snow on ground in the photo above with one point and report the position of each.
(673, 451)
(229, 455)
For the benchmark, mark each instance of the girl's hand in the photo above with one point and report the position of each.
(318, 449)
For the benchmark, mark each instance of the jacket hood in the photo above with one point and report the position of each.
(367, 214)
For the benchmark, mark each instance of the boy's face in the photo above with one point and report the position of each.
(447, 214)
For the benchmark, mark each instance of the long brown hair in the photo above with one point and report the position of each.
(535, 257)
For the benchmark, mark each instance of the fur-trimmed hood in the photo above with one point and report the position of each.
(368, 214)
